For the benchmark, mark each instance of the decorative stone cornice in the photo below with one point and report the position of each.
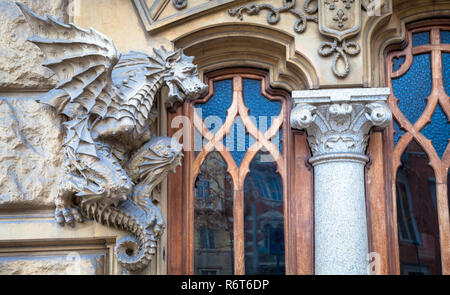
(339, 121)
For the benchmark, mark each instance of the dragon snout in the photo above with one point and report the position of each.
(198, 90)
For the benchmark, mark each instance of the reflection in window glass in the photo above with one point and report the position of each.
(417, 216)
(263, 218)
(213, 218)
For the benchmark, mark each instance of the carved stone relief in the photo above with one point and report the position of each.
(337, 19)
(339, 121)
(340, 127)
(112, 162)
(30, 154)
(180, 4)
(273, 14)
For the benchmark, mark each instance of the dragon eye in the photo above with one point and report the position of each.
(190, 70)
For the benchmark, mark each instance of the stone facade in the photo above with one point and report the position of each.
(304, 45)
(20, 61)
(31, 162)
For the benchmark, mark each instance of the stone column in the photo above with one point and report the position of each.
(338, 123)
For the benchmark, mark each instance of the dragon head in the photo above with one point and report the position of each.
(181, 76)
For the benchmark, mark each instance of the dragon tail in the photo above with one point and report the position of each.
(133, 252)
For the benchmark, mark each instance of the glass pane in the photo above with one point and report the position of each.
(398, 132)
(412, 100)
(422, 38)
(438, 131)
(397, 63)
(261, 108)
(264, 218)
(418, 225)
(213, 218)
(446, 71)
(445, 37)
(214, 111)
(237, 141)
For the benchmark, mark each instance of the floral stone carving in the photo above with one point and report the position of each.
(112, 163)
(337, 19)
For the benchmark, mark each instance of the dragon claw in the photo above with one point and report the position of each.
(59, 217)
(68, 216)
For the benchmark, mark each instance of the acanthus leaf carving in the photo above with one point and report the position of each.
(107, 100)
(339, 127)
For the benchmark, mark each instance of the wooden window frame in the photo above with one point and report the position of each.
(385, 156)
(298, 191)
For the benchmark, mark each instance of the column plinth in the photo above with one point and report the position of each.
(338, 123)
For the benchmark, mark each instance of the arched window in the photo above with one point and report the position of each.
(231, 207)
(419, 76)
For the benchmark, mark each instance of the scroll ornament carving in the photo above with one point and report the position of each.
(113, 164)
(273, 14)
(340, 128)
(338, 19)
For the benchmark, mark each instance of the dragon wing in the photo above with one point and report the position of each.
(83, 61)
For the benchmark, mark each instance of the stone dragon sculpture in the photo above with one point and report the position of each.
(112, 162)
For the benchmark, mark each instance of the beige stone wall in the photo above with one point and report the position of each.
(30, 157)
(31, 163)
(20, 61)
(30, 133)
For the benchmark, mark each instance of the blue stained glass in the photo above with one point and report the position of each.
(214, 111)
(251, 141)
(414, 87)
(445, 37)
(398, 132)
(446, 71)
(397, 63)
(422, 38)
(198, 142)
(278, 138)
(237, 141)
(438, 131)
(260, 107)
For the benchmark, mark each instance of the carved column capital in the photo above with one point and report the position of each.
(339, 121)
